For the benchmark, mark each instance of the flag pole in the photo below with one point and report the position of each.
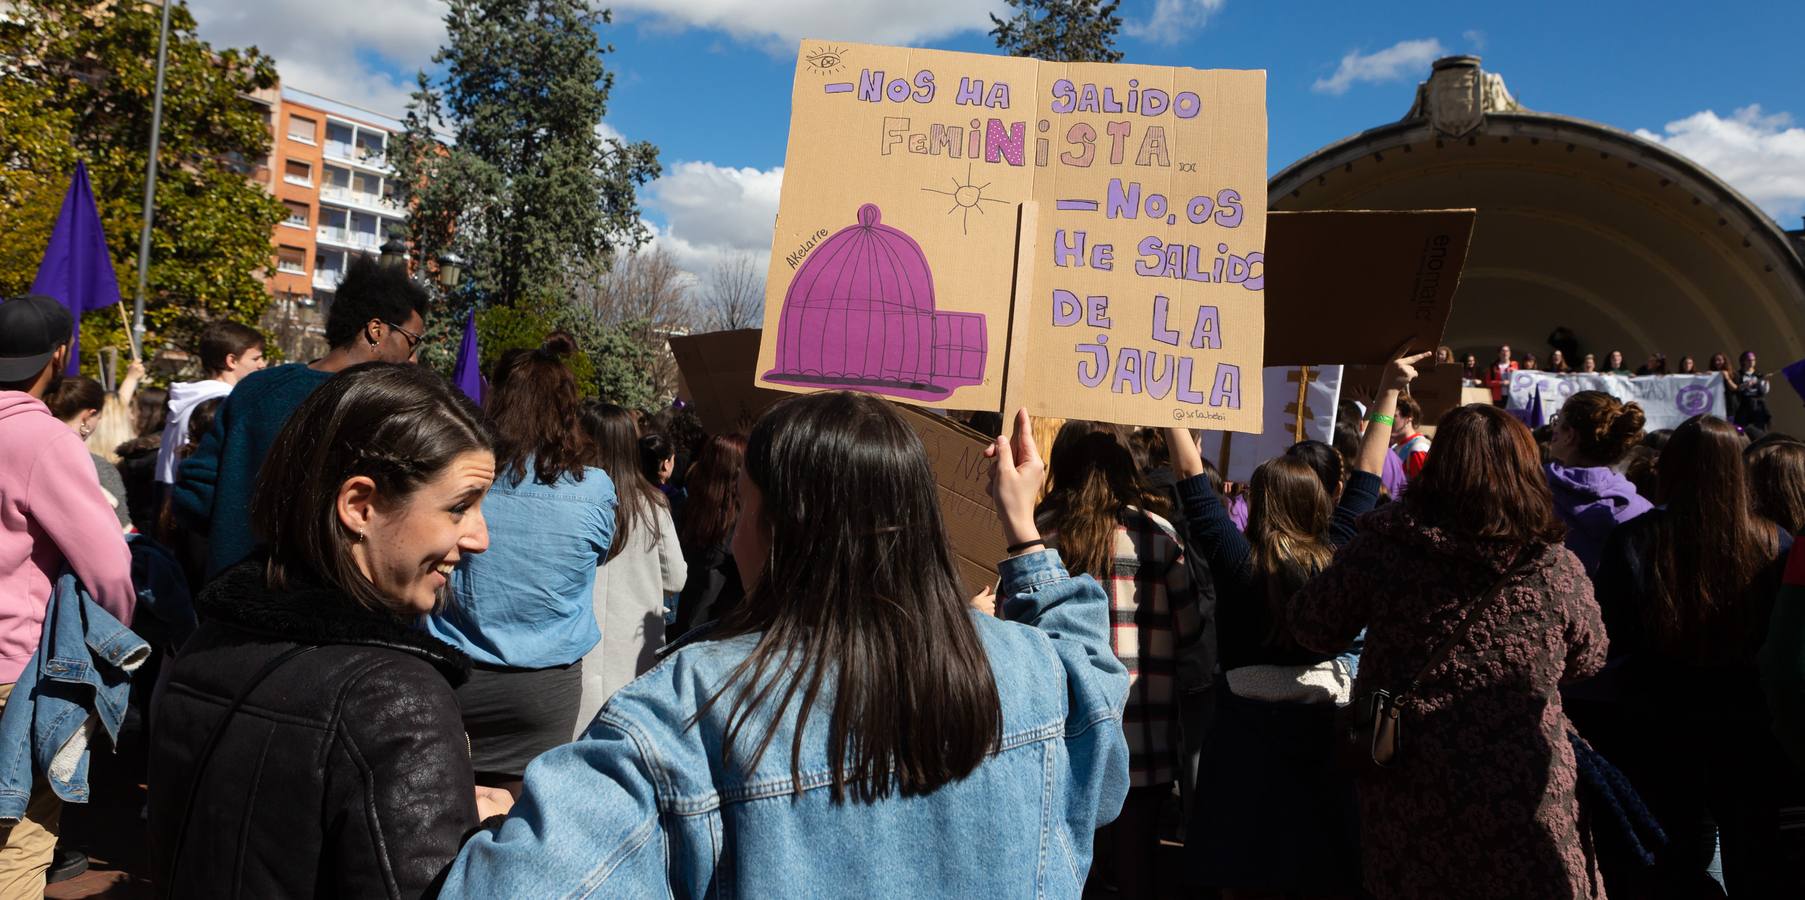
(130, 338)
(136, 329)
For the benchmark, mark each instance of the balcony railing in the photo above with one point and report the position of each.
(347, 237)
(340, 150)
(327, 279)
(338, 194)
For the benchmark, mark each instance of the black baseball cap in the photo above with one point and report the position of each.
(31, 328)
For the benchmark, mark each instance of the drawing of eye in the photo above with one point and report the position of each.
(826, 60)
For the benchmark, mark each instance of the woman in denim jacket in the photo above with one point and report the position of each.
(853, 728)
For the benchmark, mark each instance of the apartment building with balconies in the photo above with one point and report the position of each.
(331, 171)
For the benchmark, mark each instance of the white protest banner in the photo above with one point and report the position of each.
(1296, 396)
(1666, 400)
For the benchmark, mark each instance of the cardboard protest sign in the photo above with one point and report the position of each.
(962, 474)
(1666, 400)
(1300, 405)
(1436, 389)
(1351, 286)
(895, 255)
(718, 367)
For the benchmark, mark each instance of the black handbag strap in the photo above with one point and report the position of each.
(206, 754)
(1474, 610)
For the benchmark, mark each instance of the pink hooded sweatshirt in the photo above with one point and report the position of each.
(52, 512)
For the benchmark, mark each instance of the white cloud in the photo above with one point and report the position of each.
(1172, 20)
(777, 25)
(1761, 155)
(326, 46)
(712, 212)
(1400, 60)
(1474, 37)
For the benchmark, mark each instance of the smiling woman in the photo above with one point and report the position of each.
(307, 719)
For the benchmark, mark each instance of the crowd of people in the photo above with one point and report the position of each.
(1745, 386)
(387, 643)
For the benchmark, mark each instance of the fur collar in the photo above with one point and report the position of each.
(315, 614)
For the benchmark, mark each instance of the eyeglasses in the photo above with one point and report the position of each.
(413, 340)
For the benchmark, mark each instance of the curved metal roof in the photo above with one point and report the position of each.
(1625, 242)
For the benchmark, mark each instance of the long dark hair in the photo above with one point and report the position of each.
(400, 425)
(860, 586)
(615, 432)
(1288, 517)
(533, 412)
(1777, 482)
(1706, 553)
(714, 493)
(1094, 482)
(1484, 480)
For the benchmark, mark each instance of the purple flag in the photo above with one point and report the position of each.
(76, 271)
(1795, 376)
(467, 374)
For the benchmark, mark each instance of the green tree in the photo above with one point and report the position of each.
(78, 81)
(1060, 30)
(501, 161)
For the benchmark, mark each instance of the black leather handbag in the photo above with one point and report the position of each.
(1370, 730)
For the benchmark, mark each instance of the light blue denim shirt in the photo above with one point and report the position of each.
(526, 602)
(643, 805)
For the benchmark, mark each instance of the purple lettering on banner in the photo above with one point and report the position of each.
(1002, 143)
(871, 85)
(1096, 311)
(1187, 393)
(898, 90)
(1158, 385)
(1090, 205)
(971, 93)
(1068, 253)
(838, 87)
(1124, 201)
(1228, 386)
(1065, 96)
(1099, 362)
(1066, 309)
(1128, 371)
(1161, 332)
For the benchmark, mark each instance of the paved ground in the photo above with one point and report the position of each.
(110, 830)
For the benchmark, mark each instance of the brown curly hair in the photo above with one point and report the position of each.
(1604, 427)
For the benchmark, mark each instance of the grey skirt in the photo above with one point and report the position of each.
(513, 715)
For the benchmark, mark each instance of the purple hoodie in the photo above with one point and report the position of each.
(1592, 501)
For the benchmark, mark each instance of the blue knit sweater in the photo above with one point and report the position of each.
(214, 486)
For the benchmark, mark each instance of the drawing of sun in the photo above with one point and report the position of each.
(827, 59)
(966, 197)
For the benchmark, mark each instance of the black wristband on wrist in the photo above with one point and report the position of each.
(1017, 548)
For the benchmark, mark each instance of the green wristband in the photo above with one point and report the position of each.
(1381, 419)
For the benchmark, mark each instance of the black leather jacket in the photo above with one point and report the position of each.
(345, 773)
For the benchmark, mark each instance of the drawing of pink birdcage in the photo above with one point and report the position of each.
(860, 315)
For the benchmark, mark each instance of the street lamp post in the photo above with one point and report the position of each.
(451, 271)
(394, 252)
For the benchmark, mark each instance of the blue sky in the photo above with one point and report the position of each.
(708, 81)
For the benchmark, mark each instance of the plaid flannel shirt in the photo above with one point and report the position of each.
(1153, 612)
